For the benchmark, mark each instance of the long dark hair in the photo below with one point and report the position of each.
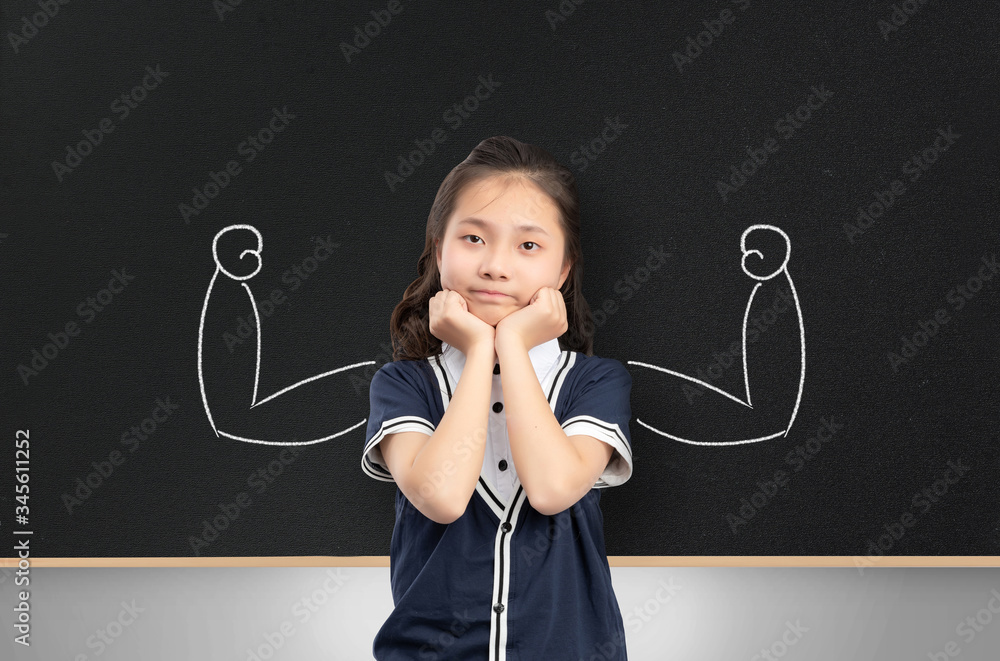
(499, 155)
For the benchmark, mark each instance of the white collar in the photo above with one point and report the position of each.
(542, 358)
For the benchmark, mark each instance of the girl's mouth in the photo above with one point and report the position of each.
(488, 294)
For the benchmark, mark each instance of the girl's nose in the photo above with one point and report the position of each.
(495, 265)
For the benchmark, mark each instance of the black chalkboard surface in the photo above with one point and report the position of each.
(789, 216)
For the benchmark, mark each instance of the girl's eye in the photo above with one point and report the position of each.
(526, 243)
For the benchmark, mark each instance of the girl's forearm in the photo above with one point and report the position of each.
(447, 469)
(547, 462)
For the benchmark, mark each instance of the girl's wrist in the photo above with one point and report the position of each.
(484, 349)
(507, 341)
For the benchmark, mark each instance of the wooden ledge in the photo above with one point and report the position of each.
(614, 561)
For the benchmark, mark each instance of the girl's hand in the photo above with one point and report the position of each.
(450, 321)
(542, 319)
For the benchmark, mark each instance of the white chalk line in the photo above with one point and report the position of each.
(256, 379)
(746, 373)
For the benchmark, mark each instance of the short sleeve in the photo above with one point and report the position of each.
(398, 403)
(600, 408)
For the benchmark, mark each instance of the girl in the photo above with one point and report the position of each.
(499, 425)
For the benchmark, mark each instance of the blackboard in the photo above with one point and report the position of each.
(822, 177)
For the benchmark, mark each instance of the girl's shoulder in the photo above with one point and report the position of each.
(598, 367)
(404, 365)
(416, 372)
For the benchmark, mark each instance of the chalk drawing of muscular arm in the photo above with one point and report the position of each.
(310, 397)
(739, 436)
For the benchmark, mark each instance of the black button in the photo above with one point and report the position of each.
(498, 608)
(505, 527)
(496, 368)
(497, 407)
(502, 465)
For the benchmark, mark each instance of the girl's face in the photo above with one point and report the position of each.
(502, 237)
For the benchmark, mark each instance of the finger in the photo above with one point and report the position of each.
(560, 301)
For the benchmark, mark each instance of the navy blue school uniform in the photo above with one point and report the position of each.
(502, 582)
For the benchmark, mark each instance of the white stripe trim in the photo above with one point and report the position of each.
(562, 373)
(619, 468)
(497, 582)
(443, 378)
(499, 511)
(502, 549)
(372, 461)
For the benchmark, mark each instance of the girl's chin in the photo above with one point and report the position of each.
(490, 314)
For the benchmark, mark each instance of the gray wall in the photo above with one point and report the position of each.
(677, 613)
